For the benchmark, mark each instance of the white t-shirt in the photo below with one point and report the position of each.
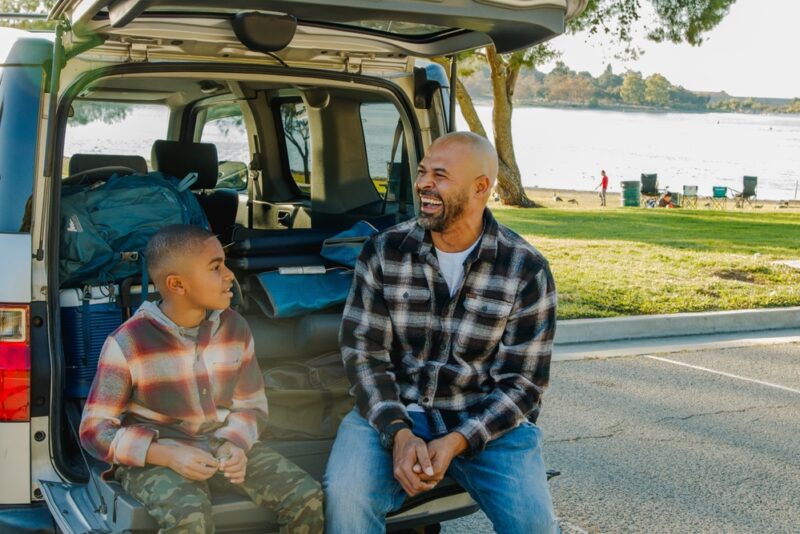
(452, 266)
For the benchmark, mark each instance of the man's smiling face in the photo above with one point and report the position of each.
(444, 186)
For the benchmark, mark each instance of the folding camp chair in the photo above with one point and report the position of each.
(649, 188)
(689, 197)
(748, 193)
(719, 197)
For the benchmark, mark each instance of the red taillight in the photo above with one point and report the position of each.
(15, 363)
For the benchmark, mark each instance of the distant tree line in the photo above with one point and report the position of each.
(564, 86)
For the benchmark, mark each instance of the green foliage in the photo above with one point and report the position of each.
(107, 112)
(675, 20)
(656, 90)
(752, 105)
(41, 7)
(564, 86)
(633, 89)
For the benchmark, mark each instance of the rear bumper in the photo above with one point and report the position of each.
(31, 518)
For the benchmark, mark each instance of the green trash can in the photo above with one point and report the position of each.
(630, 196)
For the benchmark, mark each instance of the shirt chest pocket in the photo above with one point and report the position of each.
(223, 372)
(410, 310)
(482, 325)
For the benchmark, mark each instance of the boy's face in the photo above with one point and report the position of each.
(206, 280)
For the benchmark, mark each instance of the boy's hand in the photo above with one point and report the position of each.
(232, 462)
(189, 462)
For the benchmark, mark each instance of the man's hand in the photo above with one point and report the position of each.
(410, 451)
(189, 462)
(441, 452)
(232, 462)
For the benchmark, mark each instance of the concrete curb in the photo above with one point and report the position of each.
(580, 331)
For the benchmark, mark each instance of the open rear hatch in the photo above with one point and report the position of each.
(422, 28)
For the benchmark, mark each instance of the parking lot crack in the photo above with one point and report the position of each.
(720, 412)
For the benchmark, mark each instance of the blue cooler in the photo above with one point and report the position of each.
(85, 325)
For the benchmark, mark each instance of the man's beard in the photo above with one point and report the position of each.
(452, 209)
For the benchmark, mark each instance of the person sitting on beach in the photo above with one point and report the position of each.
(666, 200)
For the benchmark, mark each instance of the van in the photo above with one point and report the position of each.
(300, 119)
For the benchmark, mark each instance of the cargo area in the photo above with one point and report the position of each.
(286, 221)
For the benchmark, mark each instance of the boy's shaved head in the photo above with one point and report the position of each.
(171, 246)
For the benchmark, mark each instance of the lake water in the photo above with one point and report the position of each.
(566, 148)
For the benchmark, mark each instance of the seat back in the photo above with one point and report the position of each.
(719, 191)
(649, 184)
(749, 186)
(690, 190)
(79, 163)
(179, 159)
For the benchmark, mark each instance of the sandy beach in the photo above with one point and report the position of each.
(570, 198)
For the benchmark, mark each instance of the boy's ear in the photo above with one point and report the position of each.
(174, 284)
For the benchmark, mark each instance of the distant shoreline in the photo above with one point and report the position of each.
(631, 109)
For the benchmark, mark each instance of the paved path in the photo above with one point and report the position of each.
(698, 441)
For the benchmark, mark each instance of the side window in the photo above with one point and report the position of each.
(96, 127)
(297, 139)
(383, 138)
(224, 127)
(20, 89)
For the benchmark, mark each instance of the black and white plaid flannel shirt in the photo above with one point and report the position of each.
(477, 362)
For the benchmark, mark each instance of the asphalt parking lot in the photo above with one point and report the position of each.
(697, 441)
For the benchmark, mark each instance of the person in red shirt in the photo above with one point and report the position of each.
(603, 186)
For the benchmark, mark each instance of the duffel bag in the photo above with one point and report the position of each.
(308, 400)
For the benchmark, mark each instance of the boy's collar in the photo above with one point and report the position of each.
(152, 310)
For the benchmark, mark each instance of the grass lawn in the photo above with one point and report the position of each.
(643, 261)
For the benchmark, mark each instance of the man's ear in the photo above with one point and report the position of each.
(482, 185)
(174, 284)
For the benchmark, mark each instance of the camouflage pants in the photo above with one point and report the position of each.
(180, 505)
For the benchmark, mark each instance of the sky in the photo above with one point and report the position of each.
(754, 51)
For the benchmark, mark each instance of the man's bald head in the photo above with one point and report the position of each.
(479, 153)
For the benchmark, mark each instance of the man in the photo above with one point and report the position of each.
(603, 187)
(446, 337)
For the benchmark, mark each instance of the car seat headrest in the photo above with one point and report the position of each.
(79, 163)
(179, 159)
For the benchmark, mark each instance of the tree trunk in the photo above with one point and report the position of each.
(468, 110)
(509, 179)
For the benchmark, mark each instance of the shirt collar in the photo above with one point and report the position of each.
(419, 240)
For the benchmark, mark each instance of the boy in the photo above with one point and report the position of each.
(178, 401)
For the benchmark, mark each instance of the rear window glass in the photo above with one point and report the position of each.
(114, 128)
(297, 140)
(382, 139)
(225, 128)
(399, 28)
(19, 114)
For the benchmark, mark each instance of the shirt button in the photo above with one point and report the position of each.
(204, 391)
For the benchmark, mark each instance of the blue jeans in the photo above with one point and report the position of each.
(507, 480)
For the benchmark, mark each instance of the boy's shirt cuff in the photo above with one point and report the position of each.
(228, 434)
(130, 445)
